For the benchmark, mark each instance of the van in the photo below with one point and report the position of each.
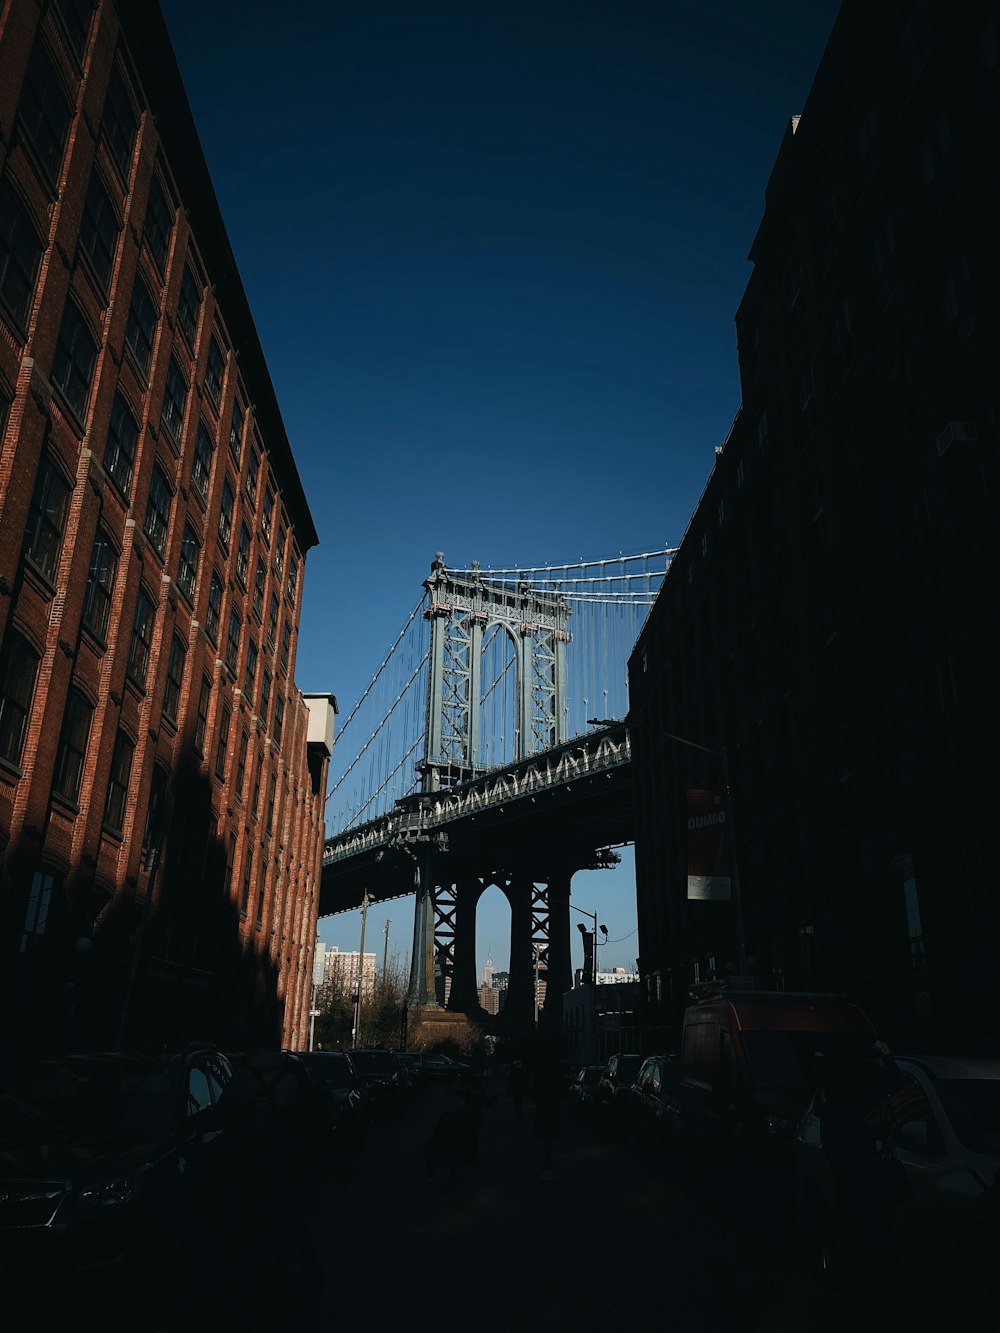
(747, 1067)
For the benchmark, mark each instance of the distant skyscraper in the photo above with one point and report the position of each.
(489, 972)
(344, 967)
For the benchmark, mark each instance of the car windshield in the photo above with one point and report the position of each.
(374, 1062)
(332, 1070)
(628, 1067)
(973, 1107)
(791, 1061)
(84, 1099)
(589, 1076)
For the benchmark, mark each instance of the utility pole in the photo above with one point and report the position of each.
(361, 972)
(385, 949)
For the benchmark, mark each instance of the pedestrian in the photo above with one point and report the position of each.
(548, 1091)
(517, 1081)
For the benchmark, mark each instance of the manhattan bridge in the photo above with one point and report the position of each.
(489, 748)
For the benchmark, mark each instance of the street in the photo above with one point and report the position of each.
(608, 1242)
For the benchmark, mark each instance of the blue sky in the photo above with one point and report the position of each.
(493, 251)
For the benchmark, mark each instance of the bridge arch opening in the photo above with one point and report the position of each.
(493, 929)
(499, 719)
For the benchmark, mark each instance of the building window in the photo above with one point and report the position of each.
(100, 585)
(226, 513)
(187, 569)
(44, 113)
(18, 665)
(119, 451)
(265, 694)
(247, 876)
(214, 371)
(175, 678)
(241, 765)
(253, 471)
(142, 638)
(120, 122)
(243, 555)
(73, 366)
(213, 613)
(99, 228)
(233, 642)
(47, 519)
(230, 862)
(201, 469)
(258, 766)
(250, 671)
(174, 400)
(121, 771)
(279, 718)
(271, 788)
(158, 511)
(265, 520)
(189, 305)
(20, 254)
(201, 725)
(258, 589)
(159, 223)
(75, 16)
(272, 620)
(279, 554)
(223, 745)
(293, 577)
(153, 828)
(140, 331)
(72, 746)
(36, 915)
(260, 895)
(236, 430)
(286, 629)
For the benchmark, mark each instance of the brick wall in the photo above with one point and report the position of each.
(138, 944)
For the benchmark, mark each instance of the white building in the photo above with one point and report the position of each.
(343, 967)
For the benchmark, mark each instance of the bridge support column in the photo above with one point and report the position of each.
(421, 993)
(560, 970)
(464, 990)
(520, 1007)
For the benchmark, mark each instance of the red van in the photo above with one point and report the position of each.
(748, 1067)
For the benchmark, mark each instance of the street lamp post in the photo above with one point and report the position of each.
(361, 972)
(593, 979)
(741, 948)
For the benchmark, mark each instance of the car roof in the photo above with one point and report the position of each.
(791, 1013)
(956, 1067)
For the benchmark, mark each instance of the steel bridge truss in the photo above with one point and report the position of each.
(462, 608)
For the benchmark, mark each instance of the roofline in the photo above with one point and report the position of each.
(152, 53)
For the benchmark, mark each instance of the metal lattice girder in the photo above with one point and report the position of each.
(544, 690)
(540, 922)
(445, 908)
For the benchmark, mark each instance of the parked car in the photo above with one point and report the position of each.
(442, 1069)
(99, 1154)
(946, 1136)
(614, 1085)
(747, 1070)
(582, 1091)
(646, 1106)
(379, 1073)
(413, 1063)
(350, 1102)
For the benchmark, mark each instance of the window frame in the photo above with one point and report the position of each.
(178, 406)
(26, 667)
(140, 648)
(215, 372)
(201, 466)
(213, 608)
(101, 264)
(119, 780)
(158, 222)
(46, 143)
(140, 327)
(14, 258)
(71, 752)
(118, 136)
(187, 571)
(174, 683)
(156, 524)
(74, 384)
(99, 592)
(40, 522)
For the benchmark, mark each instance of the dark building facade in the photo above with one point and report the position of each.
(161, 776)
(825, 619)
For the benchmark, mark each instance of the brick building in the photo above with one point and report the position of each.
(824, 617)
(161, 776)
(342, 968)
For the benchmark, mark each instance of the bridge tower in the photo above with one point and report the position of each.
(461, 609)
